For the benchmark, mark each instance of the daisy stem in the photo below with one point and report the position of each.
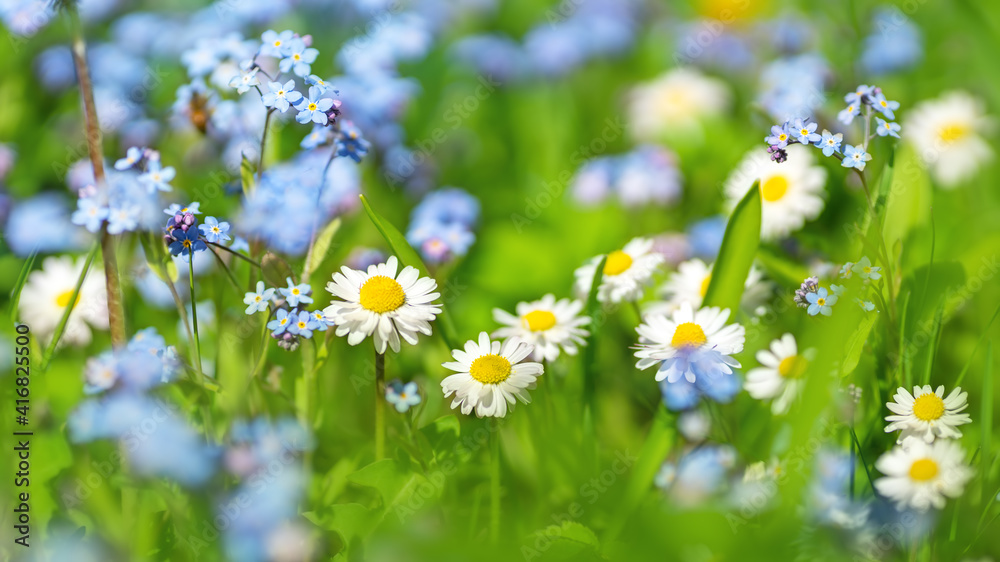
(638, 311)
(194, 315)
(379, 406)
(494, 480)
(263, 144)
(116, 313)
(61, 327)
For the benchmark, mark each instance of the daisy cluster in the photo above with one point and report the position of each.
(441, 225)
(801, 131)
(184, 236)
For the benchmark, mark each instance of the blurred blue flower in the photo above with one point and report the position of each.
(895, 43)
(321, 322)
(42, 223)
(350, 143)
(884, 106)
(684, 395)
(280, 96)
(274, 44)
(402, 396)
(124, 218)
(132, 157)
(855, 157)
(157, 178)
(886, 128)
(89, 214)
(705, 237)
(447, 205)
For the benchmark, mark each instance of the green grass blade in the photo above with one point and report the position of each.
(933, 344)
(590, 351)
(986, 422)
(408, 256)
(982, 338)
(739, 247)
(22, 278)
(61, 327)
(247, 178)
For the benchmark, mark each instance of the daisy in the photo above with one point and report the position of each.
(626, 273)
(780, 373)
(547, 324)
(920, 475)
(47, 293)
(689, 344)
(947, 133)
(490, 375)
(690, 283)
(927, 413)
(382, 305)
(674, 103)
(791, 192)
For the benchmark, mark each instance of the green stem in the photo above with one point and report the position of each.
(494, 481)
(263, 144)
(379, 406)
(183, 313)
(61, 327)
(232, 278)
(194, 315)
(237, 254)
(116, 312)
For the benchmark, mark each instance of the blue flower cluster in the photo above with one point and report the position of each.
(291, 319)
(156, 439)
(131, 199)
(647, 175)
(684, 395)
(184, 236)
(441, 225)
(402, 396)
(793, 86)
(800, 130)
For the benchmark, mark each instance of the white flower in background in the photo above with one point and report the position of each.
(947, 134)
(674, 103)
(690, 283)
(694, 425)
(626, 273)
(547, 324)
(780, 375)
(490, 376)
(48, 292)
(927, 413)
(380, 304)
(921, 475)
(689, 344)
(791, 192)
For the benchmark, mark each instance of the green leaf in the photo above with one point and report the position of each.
(780, 268)
(909, 196)
(156, 257)
(349, 520)
(856, 343)
(22, 278)
(569, 541)
(394, 483)
(61, 327)
(739, 247)
(408, 256)
(247, 177)
(321, 247)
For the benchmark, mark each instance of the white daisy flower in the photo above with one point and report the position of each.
(791, 192)
(48, 291)
(690, 283)
(927, 413)
(547, 324)
(626, 273)
(920, 475)
(382, 305)
(675, 103)
(490, 375)
(780, 373)
(689, 344)
(947, 135)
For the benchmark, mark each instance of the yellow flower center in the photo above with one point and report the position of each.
(618, 262)
(402, 396)
(312, 107)
(953, 132)
(257, 298)
(704, 284)
(277, 43)
(295, 291)
(883, 103)
(774, 188)
(283, 321)
(539, 320)
(928, 407)
(186, 243)
(296, 56)
(302, 325)
(803, 132)
(782, 137)
(281, 93)
(381, 294)
(62, 300)
(688, 334)
(792, 367)
(923, 470)
(490, 369)
(821, 301)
